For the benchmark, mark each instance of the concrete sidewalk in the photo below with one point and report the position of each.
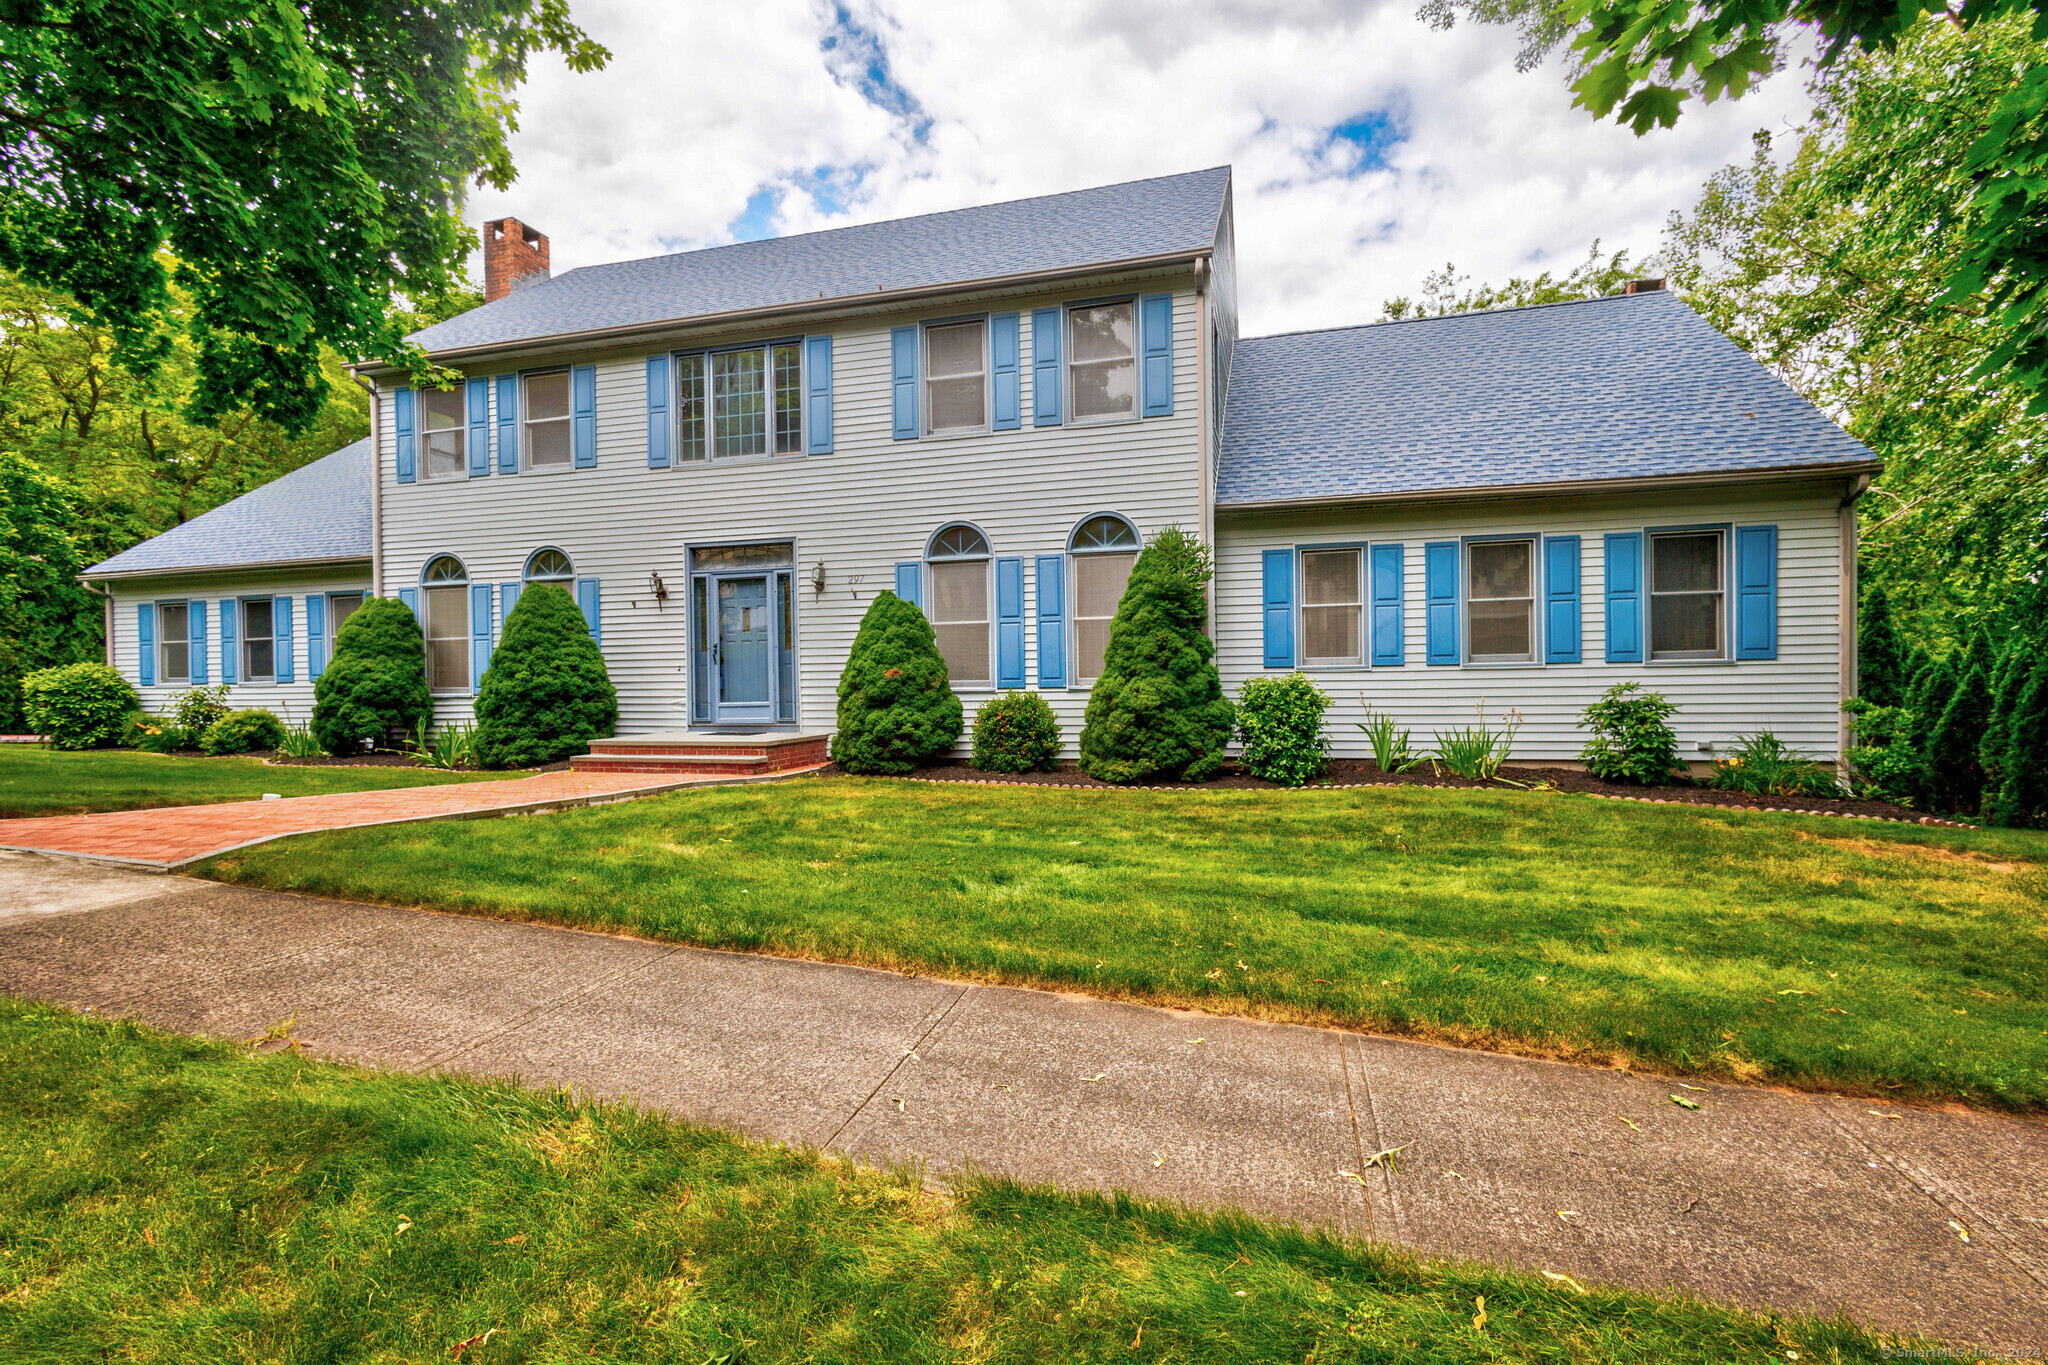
(1759, 1198)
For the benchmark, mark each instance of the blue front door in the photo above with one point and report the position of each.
(746, 660)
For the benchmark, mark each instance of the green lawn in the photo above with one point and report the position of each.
(36, 781)
(166, 1199)
(1802, 950)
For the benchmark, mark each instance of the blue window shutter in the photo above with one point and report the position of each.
(145, 643)
(479, 634)
(508, 598)
(508, 424)
(657, 412)
(1278, 593)
(1389, 646)
(1051, 571)
(1756, 592)
(586, 598)
(1003, 343)
(1560, 599)
(285, 667)
(1010, 622)
(1155, 317)
(230, 666)
(583, 414)
(818, 394)
(1625, 597)
(1045, 367)
(316, 636)
(411, 598)
(1440, 587)
(477, 393)
(401, 427)
(903, 382)
(195, 669)
(906, 583)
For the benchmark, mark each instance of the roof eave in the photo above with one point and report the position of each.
(93, 576)
(1563, 488)
(805, 308)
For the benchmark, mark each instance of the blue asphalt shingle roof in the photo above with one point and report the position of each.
(319, 511)
(1631, 386)
(1059, 231)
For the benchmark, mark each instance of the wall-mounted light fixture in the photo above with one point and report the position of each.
(818, 577)
(658, 588)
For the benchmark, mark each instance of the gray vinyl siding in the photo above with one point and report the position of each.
(1796, 696)
(292, 700)
(859, 510)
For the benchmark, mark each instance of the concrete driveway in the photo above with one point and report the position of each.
(1760, 1198)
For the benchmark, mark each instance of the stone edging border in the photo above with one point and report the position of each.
(1352, 786)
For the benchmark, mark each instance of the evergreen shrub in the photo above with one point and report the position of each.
(2015, 665)
(1158, 710)
(546, 694)
(1280, 726)
(1955, 773)
(897, 710)
(1881, 660)
(1016, 732)
(1631, 741)
(1882, 760)
(376, 683)
(238, 732)
(2021, 798)
(78, 706)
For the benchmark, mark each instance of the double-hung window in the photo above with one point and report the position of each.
(735, 403)
(1686, 595)
(1332, 606)
(445, 586)
(173, 642)
(1102, 371)
(441, 431)
(341, 606)
(548, 444)
(1103, 550)
(259, 642)
(959, 558)
(956, 377)
(1500, 601)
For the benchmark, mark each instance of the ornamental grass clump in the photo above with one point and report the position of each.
(897, 710)
(1280, 729)
(78, 706)
(1016, 732)
(1631, 741)
(1393, 748)
(1158, 709)
(376, 683)
(546, 694)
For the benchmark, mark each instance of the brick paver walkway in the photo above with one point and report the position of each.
(176, 835)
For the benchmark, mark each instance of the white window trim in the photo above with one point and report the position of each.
(1067, 363)
(567, 419)
(711, 455)
(426, 621)
(1535, 599)
(924, 381)
(243, 639)
(1364, 604)
(461, 429)
(1723, 625)
(157, 670)
(987, 560)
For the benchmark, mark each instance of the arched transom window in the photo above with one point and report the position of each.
(959, 541)
(551, 566)
(1104, 549)
(959, 556)
(445, 588)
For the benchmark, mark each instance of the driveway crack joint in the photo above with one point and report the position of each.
(546, 1007)
(890, 1075)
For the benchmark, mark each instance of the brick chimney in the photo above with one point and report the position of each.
(1632, 287)
(515, 256)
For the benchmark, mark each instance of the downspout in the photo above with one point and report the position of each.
(1849, 682)
(1202, 424)
(376, 482)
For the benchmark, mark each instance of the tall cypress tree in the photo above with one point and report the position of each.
(2022, 798)
(1955, 775)
(2008, 680)
(1881, 658)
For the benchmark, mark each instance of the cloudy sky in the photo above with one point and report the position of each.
(1367, 149)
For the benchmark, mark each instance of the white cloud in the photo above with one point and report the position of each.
(705, 107)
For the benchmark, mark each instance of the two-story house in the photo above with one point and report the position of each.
(724, 454)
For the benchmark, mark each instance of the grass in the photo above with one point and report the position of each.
(37, 781)
(1825, 953)
(167, 1199)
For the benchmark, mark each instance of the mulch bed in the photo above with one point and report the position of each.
(1358, 772)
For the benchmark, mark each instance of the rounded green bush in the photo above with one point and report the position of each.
(896, 704)
(79, 706)
(1631, 742)
(1280, 725)
(1016, 732)
(546, 694)
(238, 732)
(376, 683)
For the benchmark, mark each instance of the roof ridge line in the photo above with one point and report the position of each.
(1446, 317)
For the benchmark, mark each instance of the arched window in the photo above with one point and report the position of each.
(959, 556)
(551, 566)
(1104, 549)
(445, 588)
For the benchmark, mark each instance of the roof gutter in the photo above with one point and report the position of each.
(812, 307)
(187, 570)
(1780, 474)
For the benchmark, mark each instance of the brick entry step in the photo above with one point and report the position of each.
(706, 754)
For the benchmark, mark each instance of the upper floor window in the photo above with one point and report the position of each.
(1104, 549)
(1500, 601)
(259, 640)
(445, 588)
(1332, 606)
(551, 566)
(956, 377)
(1686, 595)
(174, 642)
(740, 402)
(1102, 367)
(959, 556)
(548, 444)
(442, 433)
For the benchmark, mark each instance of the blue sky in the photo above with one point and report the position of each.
(1368, 149)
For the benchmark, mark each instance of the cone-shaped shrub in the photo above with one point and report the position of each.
(2022, 798)
(377, 680)
(1881, 659)
(1158, 710)
(546, 694)
(2014, 667)
(1955, 775)
(896, 705)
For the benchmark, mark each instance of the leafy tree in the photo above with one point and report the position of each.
(546, 694)
(896, 704)
(2022, 798)
(1158, 710)
(1443, 292)
(1880, 658)
(46, 617)
(377, 680)
(304, 166)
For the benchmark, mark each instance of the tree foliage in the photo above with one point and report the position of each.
(546, 694)
(1444, 291)
(1880, 657)
(46, 618)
